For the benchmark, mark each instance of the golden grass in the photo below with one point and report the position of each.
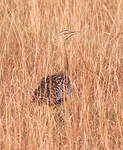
(92, 118)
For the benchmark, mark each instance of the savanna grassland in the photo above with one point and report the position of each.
(92, 117)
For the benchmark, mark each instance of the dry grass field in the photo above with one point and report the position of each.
(30, 48)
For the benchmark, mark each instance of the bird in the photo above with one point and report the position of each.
(54, 89)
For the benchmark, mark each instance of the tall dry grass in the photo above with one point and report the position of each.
(92, 118)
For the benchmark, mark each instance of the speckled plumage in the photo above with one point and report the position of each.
(53, 89)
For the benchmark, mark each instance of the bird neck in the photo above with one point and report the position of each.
(66, 63)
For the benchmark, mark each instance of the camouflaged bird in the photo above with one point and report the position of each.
(54, 89)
